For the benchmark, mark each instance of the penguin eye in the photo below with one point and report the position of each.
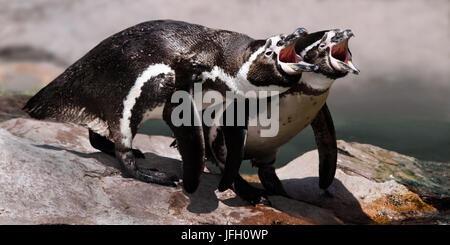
(268, 53)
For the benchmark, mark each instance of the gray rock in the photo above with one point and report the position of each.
(356, 196)
(430, 180)
(50, 174)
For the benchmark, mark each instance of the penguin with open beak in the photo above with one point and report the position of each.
(133, 76)
(302, 105)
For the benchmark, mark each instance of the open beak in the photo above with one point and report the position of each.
(289, 60)
(340, 56)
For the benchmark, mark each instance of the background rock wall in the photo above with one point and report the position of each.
(401, 46)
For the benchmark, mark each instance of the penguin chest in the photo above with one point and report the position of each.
(296, 112)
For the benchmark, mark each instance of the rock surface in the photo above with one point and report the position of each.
(352, 197)
(50, 174)
(10, 106)
(430, 180)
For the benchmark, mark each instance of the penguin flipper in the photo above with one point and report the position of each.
(325, 136)
(191, 145)
(235, 137)
(235, 142)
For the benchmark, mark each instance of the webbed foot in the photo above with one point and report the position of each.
(249, 193)
(138, 154)
(128, 163)
(270, 181)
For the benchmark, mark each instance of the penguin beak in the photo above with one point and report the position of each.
(340, 56)
(289, 60)
(287, 52)
(302, 66)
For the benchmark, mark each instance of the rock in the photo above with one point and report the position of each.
(367, 187)
(430, 180)
(10, 106)
(50, 174)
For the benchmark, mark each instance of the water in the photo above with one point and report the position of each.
(423, 139)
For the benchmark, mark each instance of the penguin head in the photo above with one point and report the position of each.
(277, 65)
(329, 51)
(281, 50)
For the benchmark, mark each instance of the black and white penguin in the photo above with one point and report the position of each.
(130, 77)
(300, 106)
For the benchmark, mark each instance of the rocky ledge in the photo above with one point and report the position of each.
(50, 174)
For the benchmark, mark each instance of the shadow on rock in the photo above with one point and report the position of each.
(203, 200)
(337, 198)
(151, 161)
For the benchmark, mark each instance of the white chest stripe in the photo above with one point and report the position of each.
(133, 95)
(240, 84)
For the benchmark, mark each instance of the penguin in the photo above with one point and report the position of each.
(131, 77)
(302, 105)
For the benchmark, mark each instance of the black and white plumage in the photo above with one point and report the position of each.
(302, 105)
(130, 76)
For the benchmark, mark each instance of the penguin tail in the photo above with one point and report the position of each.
(38, 107)
(46, 104)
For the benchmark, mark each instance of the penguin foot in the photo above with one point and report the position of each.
(128, 163)
(249, 193)
(326, 193)
(271, 182)
(138, 154)
(157, 177)
(255, 197)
